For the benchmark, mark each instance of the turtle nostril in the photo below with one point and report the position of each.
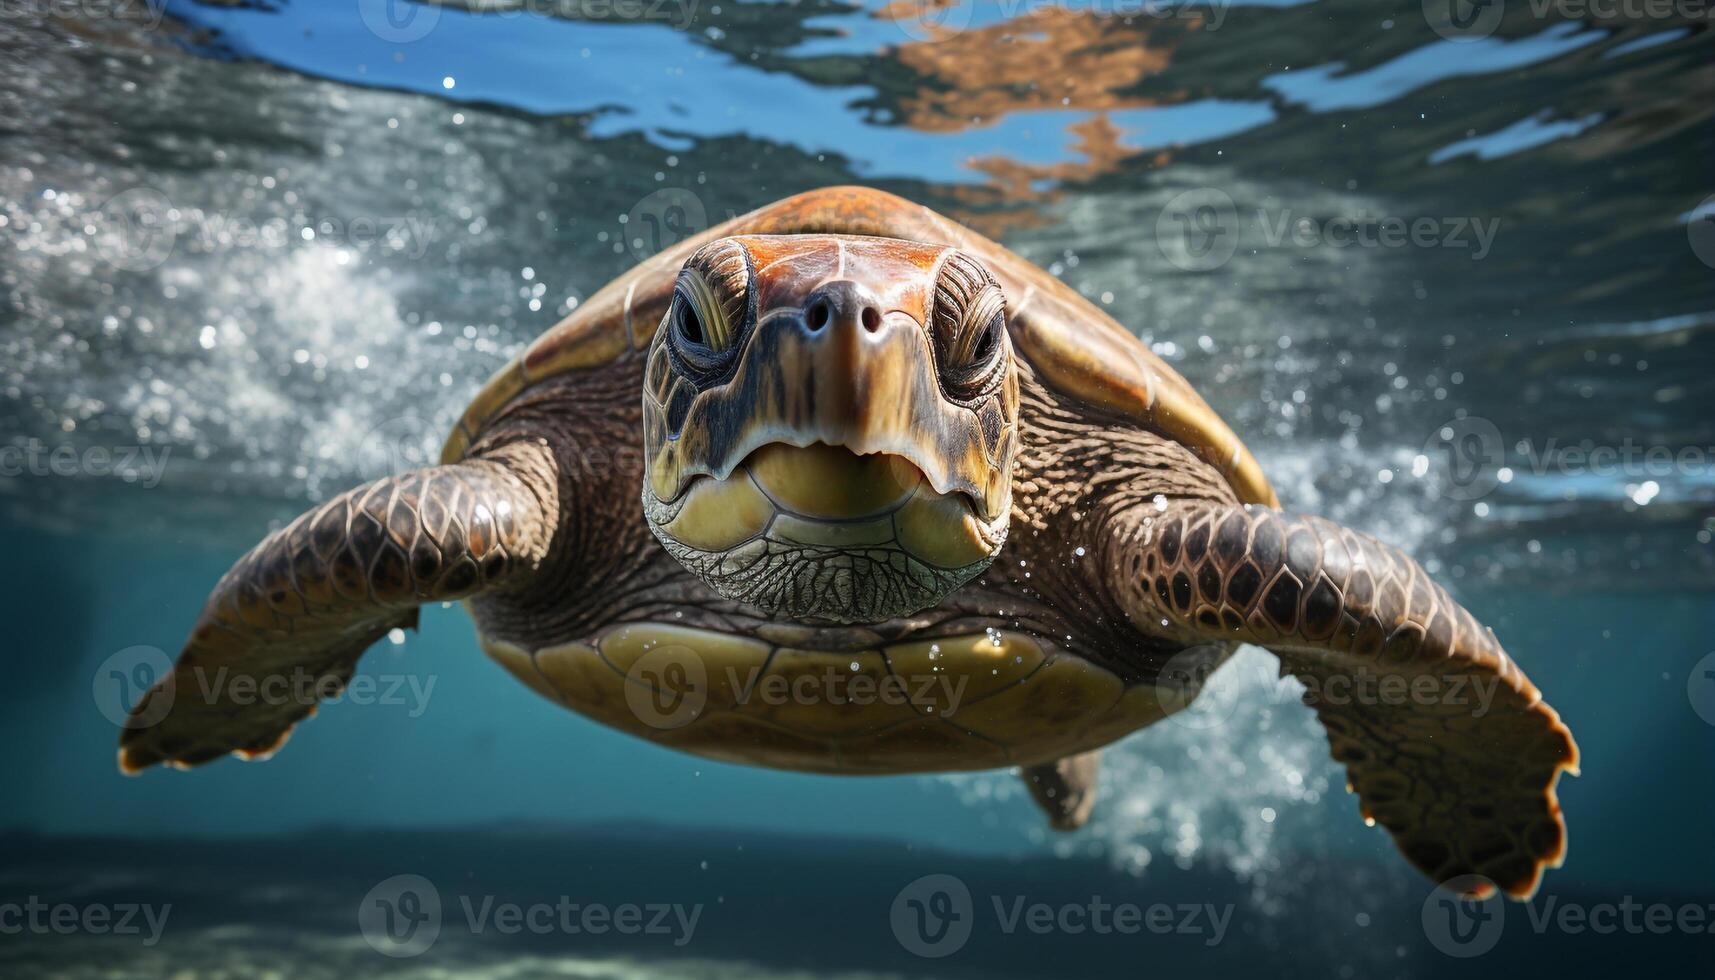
(871, 319)
(818, 315)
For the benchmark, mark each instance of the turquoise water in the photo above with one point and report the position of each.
(254, 254)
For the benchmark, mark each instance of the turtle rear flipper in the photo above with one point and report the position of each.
(286, 625)
(1446, 742)
(1065, 789)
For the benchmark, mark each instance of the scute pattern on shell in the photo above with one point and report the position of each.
(960, 701)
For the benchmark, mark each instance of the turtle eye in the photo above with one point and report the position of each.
(969, 324)
(710, 302)
(687, 323)
(698, 322)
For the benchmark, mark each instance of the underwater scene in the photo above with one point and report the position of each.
(1442, 272)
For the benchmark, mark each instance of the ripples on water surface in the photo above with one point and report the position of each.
(280, 244)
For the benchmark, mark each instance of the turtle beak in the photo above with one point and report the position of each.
(848, 370)
(843, 371)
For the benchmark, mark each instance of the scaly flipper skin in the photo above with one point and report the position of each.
(293, 616)
(1446, 742)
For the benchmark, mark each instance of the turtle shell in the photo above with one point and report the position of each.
(1074, 347)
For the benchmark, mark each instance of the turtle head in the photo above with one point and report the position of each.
(830, 422)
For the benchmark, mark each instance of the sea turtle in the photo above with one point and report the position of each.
(843, 486)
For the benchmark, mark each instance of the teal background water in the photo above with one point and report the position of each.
(270, 243)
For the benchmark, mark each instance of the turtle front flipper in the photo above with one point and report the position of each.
(1446, 742)
(287, 624)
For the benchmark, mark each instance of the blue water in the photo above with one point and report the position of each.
(353, 212)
